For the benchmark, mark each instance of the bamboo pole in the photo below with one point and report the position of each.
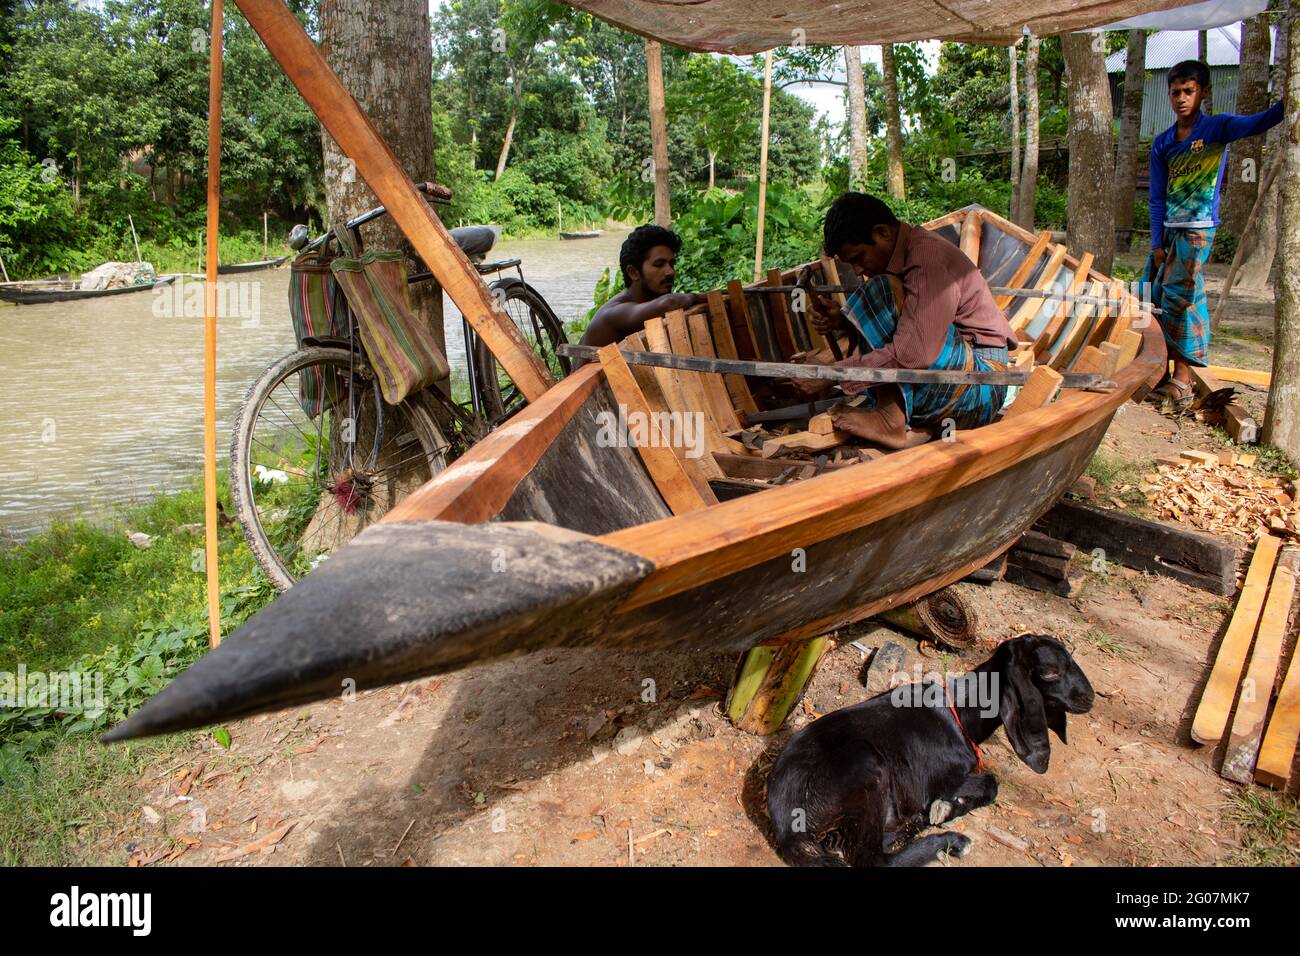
(134, 238)
(762, 165)
(1237, 256)
(210, 329)
(264, 244)
(654, 64)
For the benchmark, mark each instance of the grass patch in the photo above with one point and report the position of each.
(1114, 474)
(82, 601)
(1272, 825)
(1105, 642)
(57, 810)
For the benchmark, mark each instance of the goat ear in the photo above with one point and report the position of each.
(1056, 722)
(1023, 714)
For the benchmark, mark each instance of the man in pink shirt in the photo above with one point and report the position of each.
(924, 306)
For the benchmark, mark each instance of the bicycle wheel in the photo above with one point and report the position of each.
(317, 456)
(542, 330)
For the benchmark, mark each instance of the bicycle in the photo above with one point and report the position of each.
(316, 454)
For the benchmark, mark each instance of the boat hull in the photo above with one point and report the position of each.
(40, 296)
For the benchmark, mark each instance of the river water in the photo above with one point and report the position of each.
(102, 400)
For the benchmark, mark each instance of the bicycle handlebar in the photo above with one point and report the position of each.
(433, 192)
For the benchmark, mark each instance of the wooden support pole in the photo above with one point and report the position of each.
(210, 328)
(344, 120)
(654, 66)
(762, 165)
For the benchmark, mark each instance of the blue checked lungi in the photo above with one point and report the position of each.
(1180, 291)
(874, 309)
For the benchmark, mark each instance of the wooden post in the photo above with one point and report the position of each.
(1015, 131)
(762, 164)
(654, 66)
(210, 328)
(135, 240)
(3, 270)
(264, 234)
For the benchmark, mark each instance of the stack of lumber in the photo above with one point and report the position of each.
(1259, 746)
(1041, 562)
(1222, 493)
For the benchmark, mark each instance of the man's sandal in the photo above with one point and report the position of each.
(1173, 395)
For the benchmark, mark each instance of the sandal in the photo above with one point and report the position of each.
(1174, 395)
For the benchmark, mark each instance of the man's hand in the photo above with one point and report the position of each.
(826, 316)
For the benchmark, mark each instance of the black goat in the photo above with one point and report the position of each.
(847, 787)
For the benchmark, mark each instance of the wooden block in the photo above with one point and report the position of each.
(1197, 559)
(1040, 543)
(1243, 429)
(1023, 358)
(1110, 353)
(1026, 267)
(804, 441)
(1227, 458)
(993, 571)
(1212, 713)
(1200, 457)
(1130, 343)
(666, 471)
(1044, 564)
(725, 347)
(1069, 587)
(1248, 724)
(821, 424)
(1278, 750)
(1090, 359)
(1041, 388)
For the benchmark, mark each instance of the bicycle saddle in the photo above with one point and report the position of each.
(476, 241)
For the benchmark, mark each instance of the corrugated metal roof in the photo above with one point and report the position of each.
(1168, 47)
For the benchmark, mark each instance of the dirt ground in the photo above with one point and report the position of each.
(574, 758)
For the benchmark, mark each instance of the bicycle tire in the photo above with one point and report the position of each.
(412, 417)
(531, 314)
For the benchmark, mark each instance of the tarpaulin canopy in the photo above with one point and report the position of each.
(750, 26)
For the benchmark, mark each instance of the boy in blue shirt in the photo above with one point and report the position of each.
(1187, 163)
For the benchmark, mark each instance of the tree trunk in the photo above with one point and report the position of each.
(1129, 126)
(1259, 261)
(382, 53)
(1203, 54)
(857, 118)
(1015, 132)
(1029, 177)
(1282, 418)
(507, 140)
(1244, 170)
(1091, 223)
(896, 185)
(654, 62)
(712, 164)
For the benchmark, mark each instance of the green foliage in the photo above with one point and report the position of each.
(81, 599)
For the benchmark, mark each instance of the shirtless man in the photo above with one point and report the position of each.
(648, 260)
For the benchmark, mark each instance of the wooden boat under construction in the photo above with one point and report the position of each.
(41, 291)
(548, 534)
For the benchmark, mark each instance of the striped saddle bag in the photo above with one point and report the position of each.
(318, 310)
(401, 348)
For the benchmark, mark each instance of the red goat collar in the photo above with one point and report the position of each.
(979, 756)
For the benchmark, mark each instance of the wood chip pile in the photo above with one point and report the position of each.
(1222, 494)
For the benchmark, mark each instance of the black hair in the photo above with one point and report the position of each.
(637, 246)
(851, 218)
(1190, 70)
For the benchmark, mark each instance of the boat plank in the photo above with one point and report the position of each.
(725, 347)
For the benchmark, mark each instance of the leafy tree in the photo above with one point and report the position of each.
(717, 102)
